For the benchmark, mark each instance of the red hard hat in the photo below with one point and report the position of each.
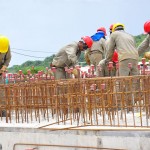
(147, 26)
(102, 29)
(88, 41)
(115, 57)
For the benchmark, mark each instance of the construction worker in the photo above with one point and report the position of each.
(5, 57)
(104, 69)
(69, 55)
(5, 54)
(124, 44)
(146, 43)
(97, 50)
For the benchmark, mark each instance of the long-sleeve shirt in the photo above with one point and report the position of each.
(67, 56)
(124, 44)
(5, 58)
(144, 45)
(99, 46)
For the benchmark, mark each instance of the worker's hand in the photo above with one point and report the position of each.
(51, 65)
(3, 69)
(103, 62)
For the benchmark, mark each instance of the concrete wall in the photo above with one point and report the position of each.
(127, 139)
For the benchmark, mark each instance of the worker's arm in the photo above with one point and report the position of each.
(104, 46)
(144, 45)
(86, 56)
(102, 65)
(7, 58)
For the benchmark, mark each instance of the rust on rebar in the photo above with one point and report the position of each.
(97, 101)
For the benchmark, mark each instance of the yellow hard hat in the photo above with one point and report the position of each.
(117, 25)
(4, 44)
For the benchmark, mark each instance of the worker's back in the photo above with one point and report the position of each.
(98, 46)
(66, 54)
(125, 45)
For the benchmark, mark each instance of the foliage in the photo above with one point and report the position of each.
(38, 65)
(139, 39)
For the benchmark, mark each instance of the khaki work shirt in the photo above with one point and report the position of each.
(67, 56)
(5, 58)
(124, 44)
(144, 45)
(98, 46)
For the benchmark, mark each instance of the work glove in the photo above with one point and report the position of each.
(3, 69)
(75, 73)
(147, 55)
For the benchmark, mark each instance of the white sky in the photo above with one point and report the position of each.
(48, 25)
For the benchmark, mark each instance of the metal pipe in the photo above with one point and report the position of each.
(67, 146)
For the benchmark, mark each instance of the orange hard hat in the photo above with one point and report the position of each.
(102, 29)
(111, 26)
(88, 41)
(147, 26)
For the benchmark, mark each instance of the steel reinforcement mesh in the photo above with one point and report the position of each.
(112, 101)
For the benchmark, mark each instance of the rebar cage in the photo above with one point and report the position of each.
(109, 101)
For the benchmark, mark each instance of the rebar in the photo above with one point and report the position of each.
(109, 101)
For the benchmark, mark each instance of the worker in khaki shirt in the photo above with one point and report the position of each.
(146, 43)
(125, 45)
(5, 57)
(5, 54)
(68, 56)
(97, 50)
(103, 68)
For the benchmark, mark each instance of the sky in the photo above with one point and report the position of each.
(39, 28)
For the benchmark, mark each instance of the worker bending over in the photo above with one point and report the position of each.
(68, 56)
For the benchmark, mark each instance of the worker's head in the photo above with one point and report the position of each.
(85, 43)
(110, 28)
(4, 44)
(102, 29)
(147, 27)
(118, 26)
